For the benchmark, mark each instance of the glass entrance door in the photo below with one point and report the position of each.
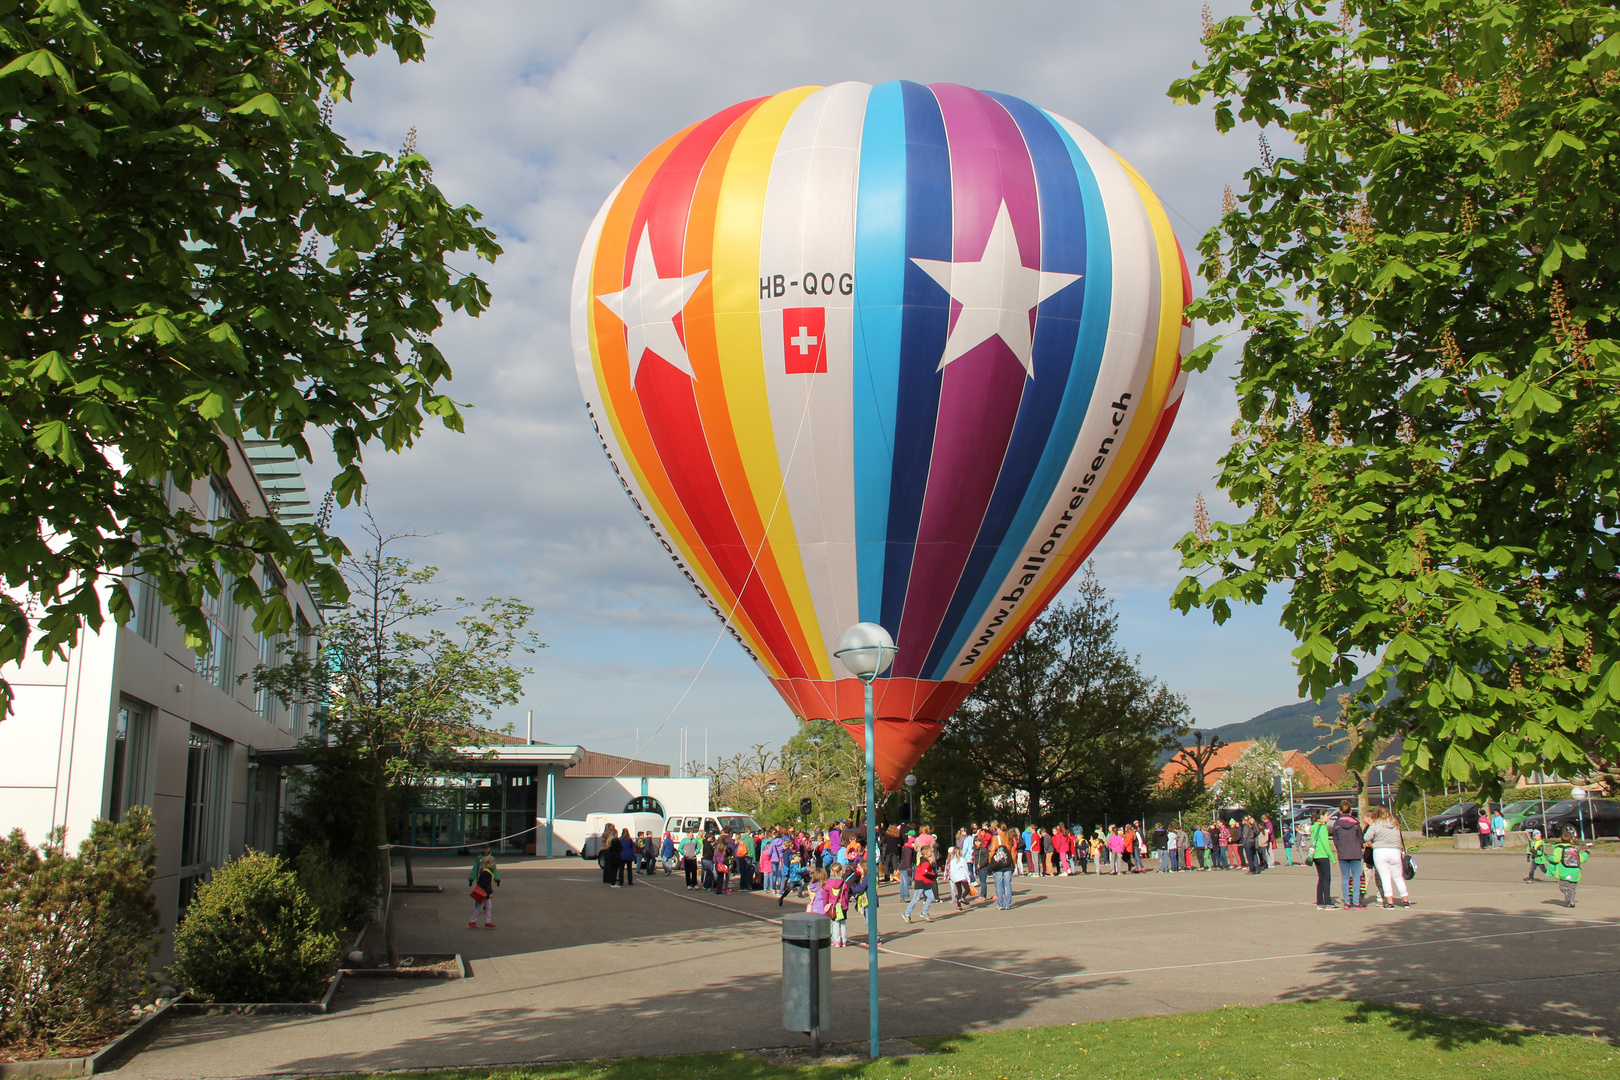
(433, 828)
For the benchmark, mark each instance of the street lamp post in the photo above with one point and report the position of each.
(911, 797)
(866, 649)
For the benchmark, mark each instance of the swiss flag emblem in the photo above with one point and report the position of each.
(804, 340)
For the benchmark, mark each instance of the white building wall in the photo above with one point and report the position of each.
(56, 750)
(580, 796)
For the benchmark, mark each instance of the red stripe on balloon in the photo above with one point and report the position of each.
(669, 403)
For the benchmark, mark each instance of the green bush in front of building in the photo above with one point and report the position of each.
(76, 935)
(254, 934)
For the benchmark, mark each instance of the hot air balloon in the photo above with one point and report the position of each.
(895, 354)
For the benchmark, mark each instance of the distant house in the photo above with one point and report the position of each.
(1307, 773)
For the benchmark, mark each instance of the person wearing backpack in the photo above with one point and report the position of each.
(1003, 853)
(1533, 853)
(483, 895)
(1563, 860)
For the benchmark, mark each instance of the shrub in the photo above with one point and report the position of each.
(331, 887)
(253, 934)
(331, 809)
(76, 934)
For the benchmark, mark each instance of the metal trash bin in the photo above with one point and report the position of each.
(807, 975)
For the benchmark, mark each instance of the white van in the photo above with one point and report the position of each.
(635, 823)
(715, 821)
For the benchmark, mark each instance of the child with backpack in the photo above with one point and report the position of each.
(482, 898)
(835, 902)
(1563, 861)
(1532, 854)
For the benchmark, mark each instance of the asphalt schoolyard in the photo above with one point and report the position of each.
(577, 970)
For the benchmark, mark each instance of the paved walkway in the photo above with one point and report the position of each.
(576, 970)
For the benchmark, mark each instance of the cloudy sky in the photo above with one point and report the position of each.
(533, 112)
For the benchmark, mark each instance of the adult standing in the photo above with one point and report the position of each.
(689, 858)
(1321, 857)
(1161, 838)
(1003, 857)
(1347, 844)
(890, 849)
(627, 858)
(608, 856)
(1172, 847)
(908, 865)
(1384, 837)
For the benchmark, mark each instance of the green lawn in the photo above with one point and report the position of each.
(1319, 1040)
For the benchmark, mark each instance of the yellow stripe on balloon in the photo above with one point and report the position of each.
(622, 407)
(738, 225)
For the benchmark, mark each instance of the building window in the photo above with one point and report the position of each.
(263, 807)
(207, 802)
(306, 645)
(272, 652)
(148, 606)
(132, 752)
(219, 666)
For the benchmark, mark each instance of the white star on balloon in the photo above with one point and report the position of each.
(648, 308)
(996, 294)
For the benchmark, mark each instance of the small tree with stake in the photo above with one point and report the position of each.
(402, 699)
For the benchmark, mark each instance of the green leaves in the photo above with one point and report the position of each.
(163, 175)
(1426, 461)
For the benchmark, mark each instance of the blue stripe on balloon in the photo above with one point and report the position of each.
(1045, 435)
(925, 321)
(880, 266)
(1057, 327)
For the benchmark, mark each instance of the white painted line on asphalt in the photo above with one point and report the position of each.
(717, 907)
(882, 948)
(1082, 922)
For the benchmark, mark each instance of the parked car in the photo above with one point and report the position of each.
(1516, 812)
(1463, 817)
(1591, 817)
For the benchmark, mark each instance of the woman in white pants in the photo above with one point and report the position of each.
(1383, 835)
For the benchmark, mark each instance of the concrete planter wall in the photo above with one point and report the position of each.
(107, 1057)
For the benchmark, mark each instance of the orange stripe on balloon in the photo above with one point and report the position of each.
(624, 406)
(750, 512)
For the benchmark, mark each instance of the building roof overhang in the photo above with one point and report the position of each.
(524, 754)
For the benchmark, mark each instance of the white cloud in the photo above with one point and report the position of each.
(532, 112)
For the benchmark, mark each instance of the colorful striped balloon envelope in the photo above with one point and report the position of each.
(896, 354)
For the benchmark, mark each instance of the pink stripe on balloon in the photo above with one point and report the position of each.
(981, 391)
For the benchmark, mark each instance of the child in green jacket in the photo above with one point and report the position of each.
(1533, 854)
(1563, 861)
